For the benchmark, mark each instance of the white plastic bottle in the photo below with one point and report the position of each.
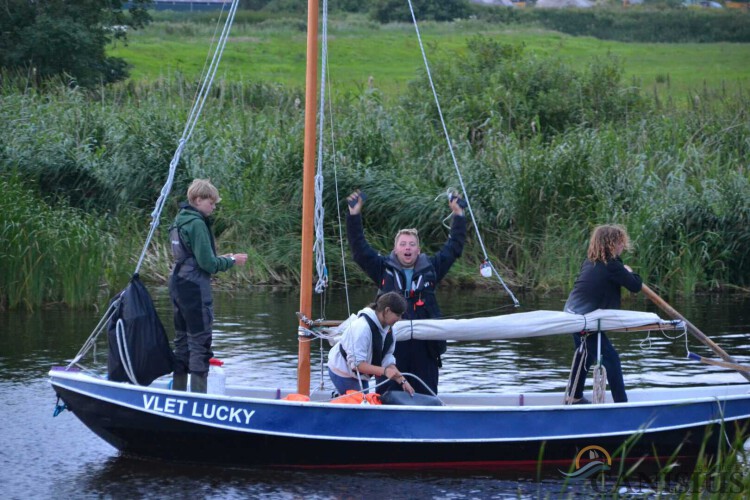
(217, 379)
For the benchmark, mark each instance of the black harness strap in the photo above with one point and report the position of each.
(377, 349)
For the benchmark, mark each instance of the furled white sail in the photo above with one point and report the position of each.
(529, 324)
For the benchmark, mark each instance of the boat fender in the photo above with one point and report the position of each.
(403, 398)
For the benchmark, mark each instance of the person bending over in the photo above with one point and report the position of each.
(366, 347)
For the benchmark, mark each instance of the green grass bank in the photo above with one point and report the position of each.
(360, 51)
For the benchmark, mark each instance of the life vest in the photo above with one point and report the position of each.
(296, 397)
(181, 252)
(377, 348)
(354, 398)
(420, 293)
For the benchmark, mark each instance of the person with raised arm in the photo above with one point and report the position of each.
(415, 276)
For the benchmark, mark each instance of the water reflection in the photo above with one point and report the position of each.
(255, 335)
(134, 478)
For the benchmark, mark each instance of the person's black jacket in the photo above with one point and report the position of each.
(388, 274)
(420, 357)
(598, 286)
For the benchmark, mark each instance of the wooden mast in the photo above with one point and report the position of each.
(308, 195)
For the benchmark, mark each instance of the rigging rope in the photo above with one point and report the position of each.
(319, 245)
(320, 241)
(338, 205)
(187, 132)
(100, 327)
(600, 372)
(206, 82)
(579, 354)
(453, 157)
(599, 393)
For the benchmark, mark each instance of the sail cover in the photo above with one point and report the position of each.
(529, 324)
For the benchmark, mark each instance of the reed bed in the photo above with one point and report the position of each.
(719, 471)
(545, 151)
(49, 254)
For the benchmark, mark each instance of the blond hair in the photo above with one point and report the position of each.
(604, 242)
(202, 188)
(410, 231)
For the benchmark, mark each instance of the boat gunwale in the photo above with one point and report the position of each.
(641, 430)
(88, 378)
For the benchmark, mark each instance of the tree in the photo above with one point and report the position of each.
(48, 38)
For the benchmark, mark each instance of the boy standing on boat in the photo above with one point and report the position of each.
(414, 275)
(598, 286)
(366, 348)
(194, 251)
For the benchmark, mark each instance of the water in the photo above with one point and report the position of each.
(255, 334)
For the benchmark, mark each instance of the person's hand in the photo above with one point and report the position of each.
(394, 372)
(239, 258)
(406, 386)
(629, 269)
(455, 207)
(357, 208)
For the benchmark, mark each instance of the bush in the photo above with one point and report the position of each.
(636, 24)
(499, 89)
(545, 154)
(48, 254)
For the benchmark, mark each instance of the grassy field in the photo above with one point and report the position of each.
(359, 49)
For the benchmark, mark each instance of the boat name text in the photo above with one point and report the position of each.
(176, 406)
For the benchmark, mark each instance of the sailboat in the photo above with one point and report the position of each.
(262, 426)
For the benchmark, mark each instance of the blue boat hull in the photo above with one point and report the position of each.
(267, 432)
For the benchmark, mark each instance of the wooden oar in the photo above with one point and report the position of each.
(691, 328)
(723, 364)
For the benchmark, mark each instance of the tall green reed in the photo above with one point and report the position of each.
(48, 254)
(676, 178)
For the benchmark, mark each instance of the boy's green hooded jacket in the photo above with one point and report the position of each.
(196, 241)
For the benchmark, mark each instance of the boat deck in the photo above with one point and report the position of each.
(526, 399)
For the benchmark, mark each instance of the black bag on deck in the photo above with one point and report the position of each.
(139, 349)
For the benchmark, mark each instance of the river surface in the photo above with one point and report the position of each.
(42, 456)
